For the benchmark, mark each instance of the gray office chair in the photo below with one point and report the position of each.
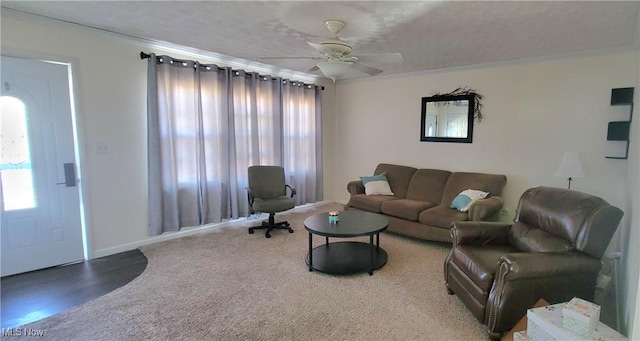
(267, 192)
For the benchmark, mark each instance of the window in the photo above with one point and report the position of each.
(15, 157)
(207, 128)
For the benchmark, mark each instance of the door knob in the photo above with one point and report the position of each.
(69, 175)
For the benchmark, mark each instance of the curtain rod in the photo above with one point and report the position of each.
(147, 56)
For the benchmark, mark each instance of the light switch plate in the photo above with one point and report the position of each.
(103, 148)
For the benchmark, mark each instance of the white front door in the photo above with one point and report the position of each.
(40, 215)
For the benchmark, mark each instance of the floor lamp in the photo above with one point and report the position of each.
(570, 167)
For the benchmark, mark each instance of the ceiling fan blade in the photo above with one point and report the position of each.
(323, 49)
(380, 58)
(312, 58)
(366, 69)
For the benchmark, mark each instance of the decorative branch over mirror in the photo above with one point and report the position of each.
(449, 117)
(477, 108)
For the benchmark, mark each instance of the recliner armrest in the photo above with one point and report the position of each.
(546, 264)
(355, 187)
(523, 278)
(484, 208)
(480, 233)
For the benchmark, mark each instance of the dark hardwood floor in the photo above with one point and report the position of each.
(32, 296)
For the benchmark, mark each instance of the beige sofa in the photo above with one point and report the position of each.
(420, 206)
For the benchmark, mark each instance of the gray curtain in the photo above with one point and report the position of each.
(302, 147)
(207, 125)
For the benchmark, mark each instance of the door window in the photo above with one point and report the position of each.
(15, 157)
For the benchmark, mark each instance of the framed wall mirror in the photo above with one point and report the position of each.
(447, 118)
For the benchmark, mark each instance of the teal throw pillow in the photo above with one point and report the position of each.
(463, 201)
(376, 185)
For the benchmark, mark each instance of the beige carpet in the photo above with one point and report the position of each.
(229, 285)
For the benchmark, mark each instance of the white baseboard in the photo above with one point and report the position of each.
(185, 232)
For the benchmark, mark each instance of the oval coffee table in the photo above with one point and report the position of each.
(342, 258)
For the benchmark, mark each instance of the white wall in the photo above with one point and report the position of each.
(532, 113)
(631, 261)
(111, 108)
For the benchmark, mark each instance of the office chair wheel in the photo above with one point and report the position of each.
(250, 231)
(267, 235)
(290, 230)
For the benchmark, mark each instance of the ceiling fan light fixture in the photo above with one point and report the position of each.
(334, 68)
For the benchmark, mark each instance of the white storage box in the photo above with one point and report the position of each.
(545, 324)
(580, 316)
(521, 336)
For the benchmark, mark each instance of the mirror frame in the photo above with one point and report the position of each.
(448, 98)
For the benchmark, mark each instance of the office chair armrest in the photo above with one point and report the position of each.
(293, 190)
(250, 199)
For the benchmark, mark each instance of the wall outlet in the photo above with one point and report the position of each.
(613, 255)
(603, 281)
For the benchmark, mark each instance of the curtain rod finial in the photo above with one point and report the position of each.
(143, 55)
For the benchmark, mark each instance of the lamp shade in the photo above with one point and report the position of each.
(334, 68)
(571, 166)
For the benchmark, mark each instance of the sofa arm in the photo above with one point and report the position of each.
(355, 187)
(485, 208)
(523, 278)
(479, 233)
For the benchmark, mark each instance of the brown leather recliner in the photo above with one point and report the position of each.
(552, 250)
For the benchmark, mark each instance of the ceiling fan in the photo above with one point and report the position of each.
(337, 57)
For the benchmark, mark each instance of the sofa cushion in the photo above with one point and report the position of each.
(427, 185)
(531, 239)
(371, 203)
(376, 185)
(405, 208)
(459, 181)
(442, 216)
(398, 177)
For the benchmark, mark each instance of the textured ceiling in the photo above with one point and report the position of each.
(429, 34)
